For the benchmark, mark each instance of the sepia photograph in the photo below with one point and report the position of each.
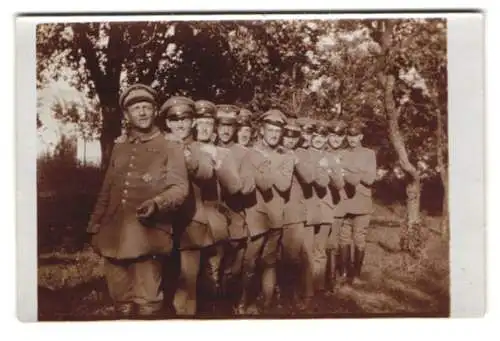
(257, 167)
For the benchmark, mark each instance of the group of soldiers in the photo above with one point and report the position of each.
(251, 206)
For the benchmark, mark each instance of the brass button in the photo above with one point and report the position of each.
(125, 191)
(127, 183)
(124, 201)
(129, 174)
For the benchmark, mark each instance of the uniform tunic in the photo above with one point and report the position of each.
(361, 167)
(337, 182)
(192, 224)
(320, 206)
(303, 175)
(272, 202)
(236, 203)
(141, 167)
(255, 210)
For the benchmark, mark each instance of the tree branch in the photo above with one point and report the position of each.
(88, 52)
(134, 47)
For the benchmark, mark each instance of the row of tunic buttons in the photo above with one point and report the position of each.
(131, 165)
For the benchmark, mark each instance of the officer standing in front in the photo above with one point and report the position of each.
(360, 167)
(145, 184)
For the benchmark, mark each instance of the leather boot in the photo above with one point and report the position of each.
(268, 286)
(247, 293)
(359, 256)
(331, 268)
(346, 266)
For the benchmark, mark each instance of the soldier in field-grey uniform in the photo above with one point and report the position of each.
(192, 225)
(360, 167)
(131, 225)
(297, 240)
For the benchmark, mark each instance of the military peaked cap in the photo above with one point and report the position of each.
(244, 118)
(338, 127)
(274, 116)
(178, 106)
(205, 109)
(306, 124)
(292, 128)
(137, 93)
(354, 129)
(320, 128)
(227, 113)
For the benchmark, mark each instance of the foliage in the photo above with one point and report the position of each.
(319, 68)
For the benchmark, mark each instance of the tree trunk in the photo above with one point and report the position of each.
(107, 84)
(111, 129)
(411, 233)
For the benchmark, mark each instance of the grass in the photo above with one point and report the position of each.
(71, 284)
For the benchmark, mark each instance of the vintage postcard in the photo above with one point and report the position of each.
(252, 165)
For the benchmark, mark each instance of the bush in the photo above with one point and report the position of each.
(66, 194)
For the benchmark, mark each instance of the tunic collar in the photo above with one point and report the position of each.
(227, 145)
(137, 136)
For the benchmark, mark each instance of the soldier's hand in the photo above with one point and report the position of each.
(217, 164)
(187, 155)
(323, 162)
(146, 209)
(211, 150)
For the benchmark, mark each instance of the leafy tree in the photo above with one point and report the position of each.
(389, 74)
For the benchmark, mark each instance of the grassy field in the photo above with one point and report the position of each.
(71, 286)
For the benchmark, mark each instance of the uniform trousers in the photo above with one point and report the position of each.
(232, 264)
(297, 247)
(354, 230)
(321, 236)
(261, 250)
(135, 281)
(333, 250)
(197, 252)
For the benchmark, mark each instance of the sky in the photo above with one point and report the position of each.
(52, 129)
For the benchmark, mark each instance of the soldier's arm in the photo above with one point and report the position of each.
(321, 176)
(199, 164)
(336, 178)
(261, 169)
(228, 175)
(304, 168)
(369, 172)
(103, 197)
(352, 177)
(177, 185)
(284, 173)
(246, 176)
